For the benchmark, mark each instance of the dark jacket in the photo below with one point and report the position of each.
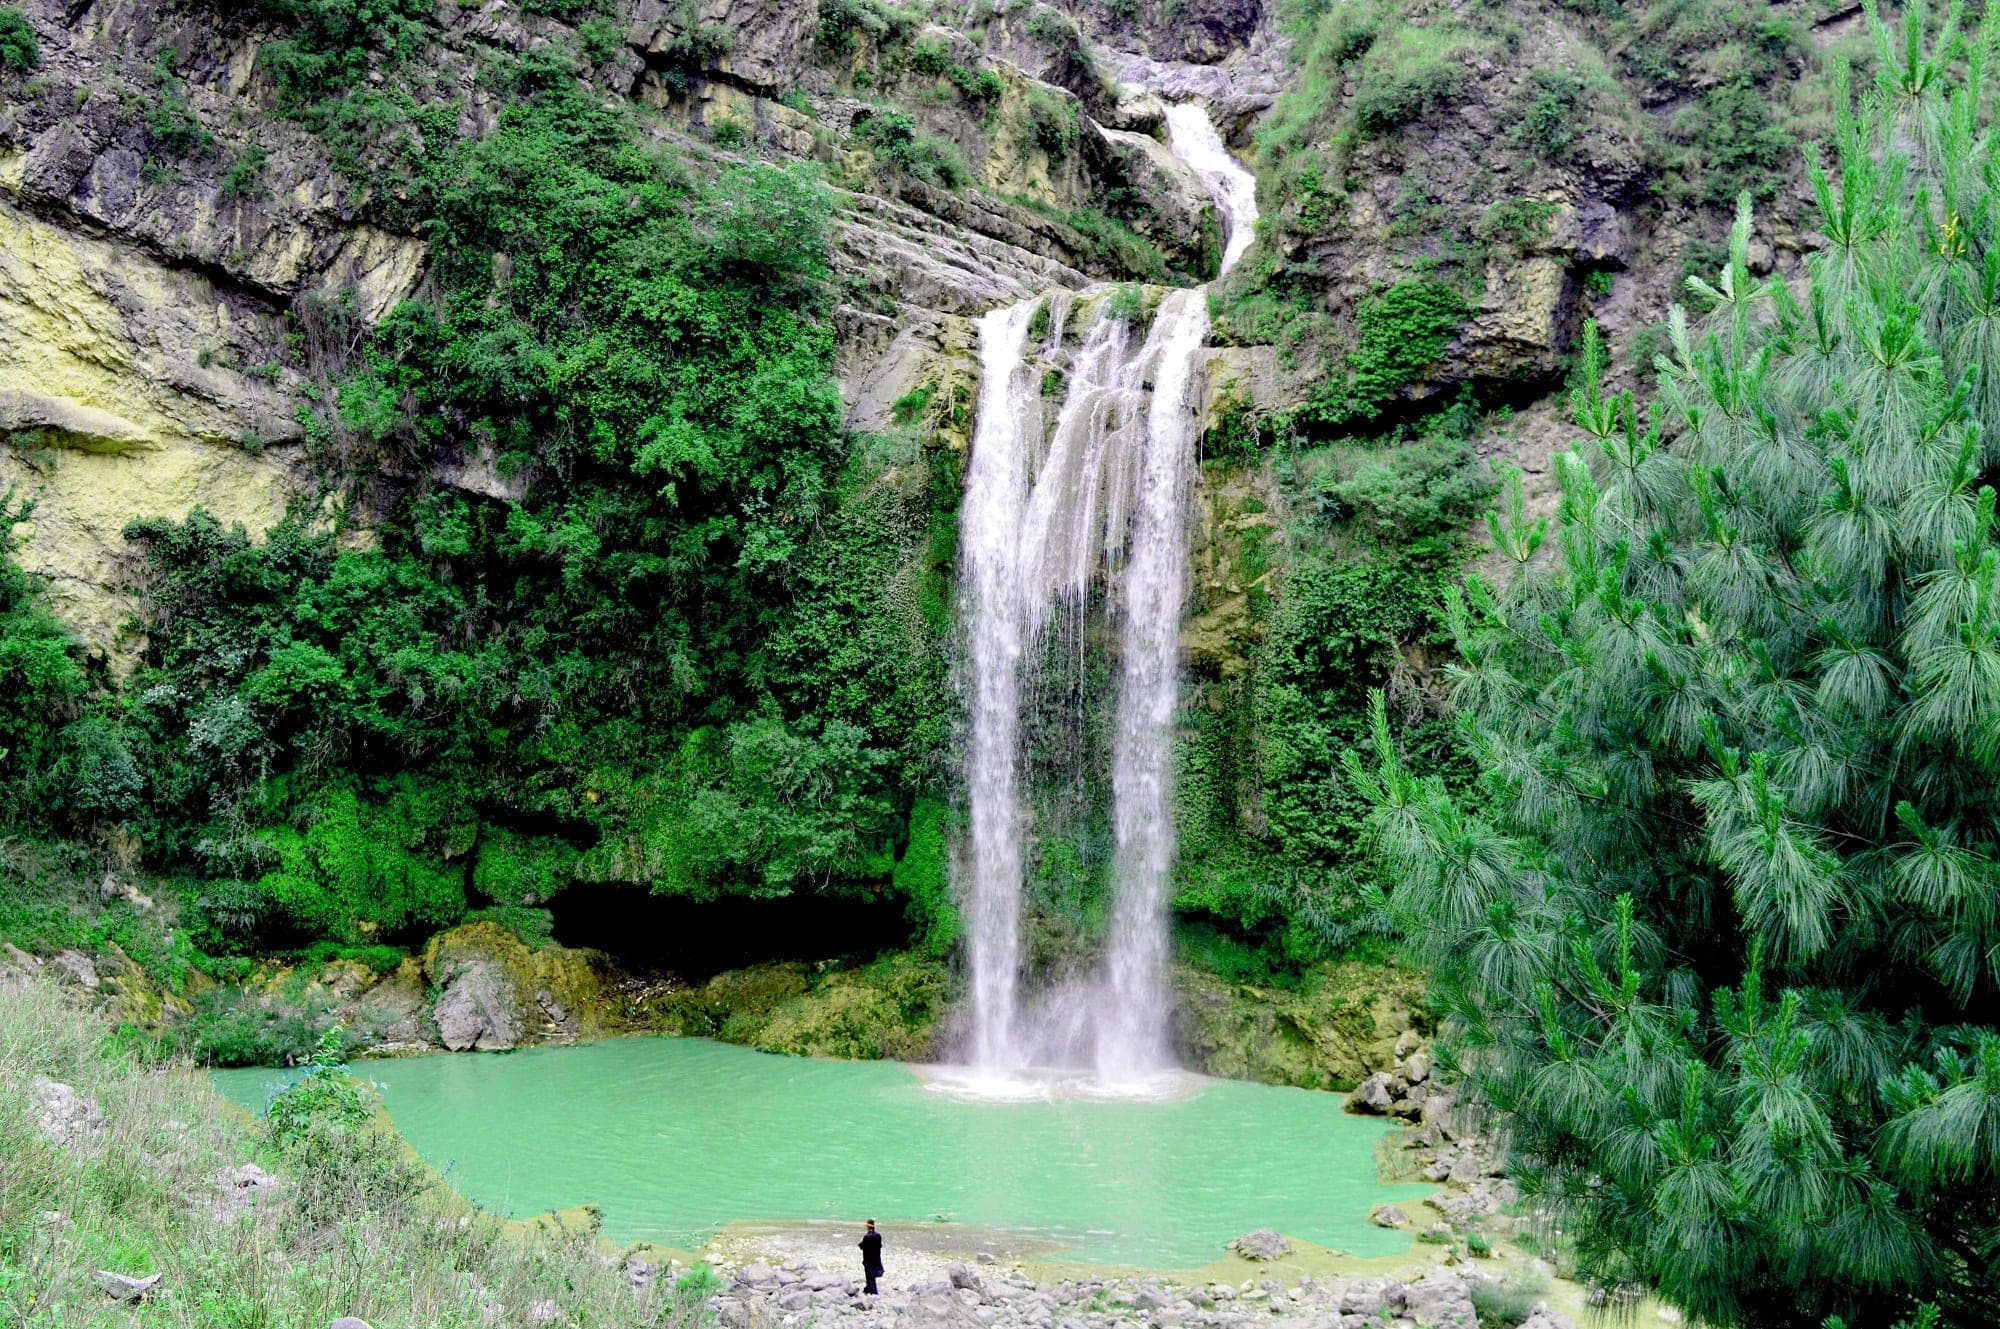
(871, 1253)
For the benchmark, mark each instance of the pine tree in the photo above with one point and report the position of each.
(1718, 933)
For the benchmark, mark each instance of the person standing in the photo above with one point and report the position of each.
(871, 1257)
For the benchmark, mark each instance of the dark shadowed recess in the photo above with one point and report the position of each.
(700, 938)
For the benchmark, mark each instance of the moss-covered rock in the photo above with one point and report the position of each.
(496, 991)
(890, 1008)
(1342, 1023)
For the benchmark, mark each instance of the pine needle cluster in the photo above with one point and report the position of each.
(1719, 930)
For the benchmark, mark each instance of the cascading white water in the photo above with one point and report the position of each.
(1132, 1028)
(989, 536)
(1193, 138)
(1035, 528)
(1132, 1034)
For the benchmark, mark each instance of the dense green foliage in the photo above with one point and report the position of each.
(683, 631)
(1719, 929)
(43, 682)
(20, 49)
(1399, 335)
(1272, 840)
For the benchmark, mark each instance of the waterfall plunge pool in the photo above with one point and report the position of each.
(674, 1138)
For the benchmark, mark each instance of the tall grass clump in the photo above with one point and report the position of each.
(354, 1225)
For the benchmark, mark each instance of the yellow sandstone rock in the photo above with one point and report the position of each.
(124, 394)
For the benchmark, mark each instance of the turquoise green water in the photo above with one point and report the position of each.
(675, 1137)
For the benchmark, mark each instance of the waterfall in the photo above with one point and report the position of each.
(1193, 138)
(989, 530)
(1044, 512)
(1132, 1028)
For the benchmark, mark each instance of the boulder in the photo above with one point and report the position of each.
(242, 1188)
(1263, 1244)
(939, 1310)
(769, 41)
(1387, 1215)
(63, 1114)
(961, 1276)
(1602, 238)
(1441, 1301)
(1333, 1031)
(1364, 1297)
(1545, 1317)
(76, 969)
(350, 1322)
(478, 1011)
(1523, 325)
(1373, 1095)
(123, 1287)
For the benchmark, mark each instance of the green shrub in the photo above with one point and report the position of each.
(1405, 77)
(170, 123)
(1549, 119)
(1517, 224)
(1418, 500)
(1052, 123)
(382, 960)
(1127, 304)
(1401, 334)
(600, 38)
(1502, 1304)
(982, 89)
(245, 174)
(1734, 143)
(42, 684)
(930, 56)
(230, 1028)
(843, 22)
(20, 48)
(895, 137)
(730, 131)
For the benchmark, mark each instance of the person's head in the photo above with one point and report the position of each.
(871, 1225)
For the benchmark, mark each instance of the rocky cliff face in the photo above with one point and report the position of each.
(162, 223)
(164, 230)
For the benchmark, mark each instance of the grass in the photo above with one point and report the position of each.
(356, 1227)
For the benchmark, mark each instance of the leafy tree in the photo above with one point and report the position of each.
(42, 682)
(1720, 931)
